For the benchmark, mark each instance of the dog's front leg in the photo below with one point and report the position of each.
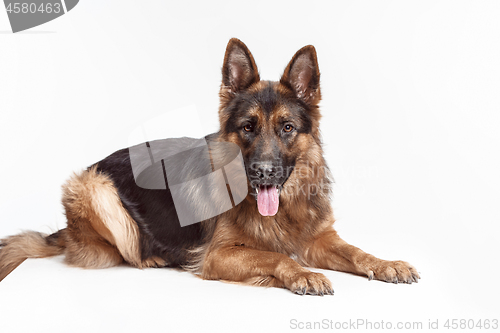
(247, 265)
(329, 251)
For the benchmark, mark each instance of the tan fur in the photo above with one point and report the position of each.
(197, 259)
(257, 86)
(329, 251)
(154, 262)
(29, 244)
(92, 197)
(249, 265)
(198, 254)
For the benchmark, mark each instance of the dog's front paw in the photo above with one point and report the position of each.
(311, 284)
(393, 271)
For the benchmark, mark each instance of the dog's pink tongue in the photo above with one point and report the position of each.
(268, 200)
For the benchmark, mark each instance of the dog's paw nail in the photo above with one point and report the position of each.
(301, 291)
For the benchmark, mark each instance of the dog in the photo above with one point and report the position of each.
(284, 223)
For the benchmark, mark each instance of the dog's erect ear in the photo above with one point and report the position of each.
(302, 75)
(239, 70)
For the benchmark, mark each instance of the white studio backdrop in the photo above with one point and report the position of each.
(410, 124)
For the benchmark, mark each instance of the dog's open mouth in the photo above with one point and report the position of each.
(268, 199)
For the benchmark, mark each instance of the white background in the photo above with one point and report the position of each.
(410, 108)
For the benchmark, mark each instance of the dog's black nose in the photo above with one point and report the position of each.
(265, 171)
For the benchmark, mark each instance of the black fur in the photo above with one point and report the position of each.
(154, 212)
(267, 98)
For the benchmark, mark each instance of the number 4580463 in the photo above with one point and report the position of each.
(25, 8)
(471, 324)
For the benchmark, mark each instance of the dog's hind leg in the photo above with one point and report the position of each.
(100, 233)
(86, 248)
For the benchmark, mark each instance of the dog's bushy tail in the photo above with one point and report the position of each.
(29, 244)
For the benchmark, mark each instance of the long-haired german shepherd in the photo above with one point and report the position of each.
(284, 223)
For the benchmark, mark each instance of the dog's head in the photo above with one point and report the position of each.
(274, 123)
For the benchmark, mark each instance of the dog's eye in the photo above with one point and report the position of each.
(248, 128)
(288, 128)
